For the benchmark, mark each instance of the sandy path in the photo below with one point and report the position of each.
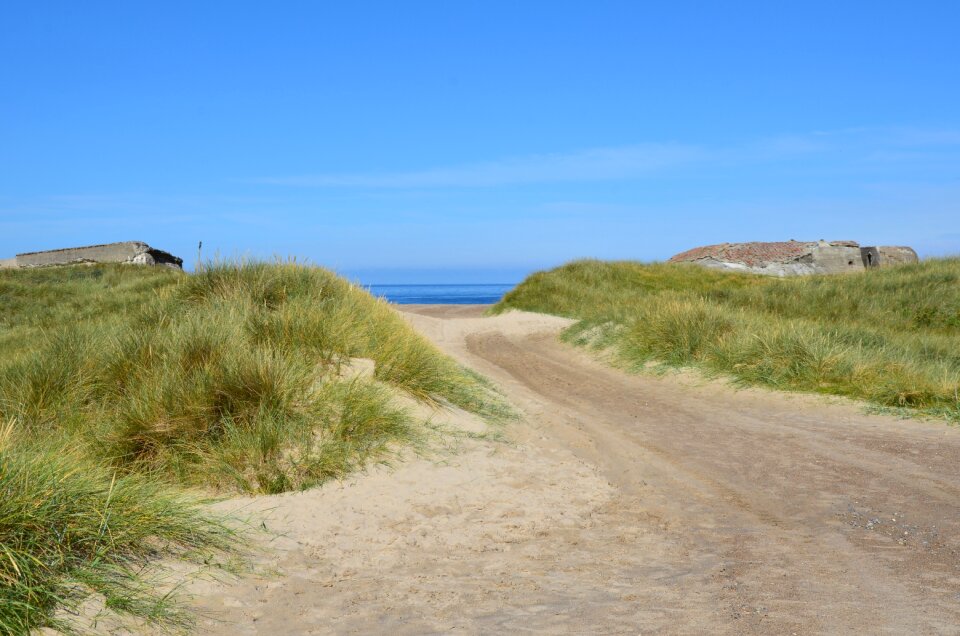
(626, 505)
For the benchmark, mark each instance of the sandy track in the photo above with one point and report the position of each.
(792, 515)
(625, 504)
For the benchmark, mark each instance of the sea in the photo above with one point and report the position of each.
(477, 294)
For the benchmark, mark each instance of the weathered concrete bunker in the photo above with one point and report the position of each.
(896, 255)
(132, 252)
(796, 258)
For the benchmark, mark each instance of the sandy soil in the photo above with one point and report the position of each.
(622, 504)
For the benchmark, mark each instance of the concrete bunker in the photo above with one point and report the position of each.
(131, 252)
(796, 258)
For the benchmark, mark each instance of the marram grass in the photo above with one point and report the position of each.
(890, 336)
(70, 527)
(225, 377)
(123, 384)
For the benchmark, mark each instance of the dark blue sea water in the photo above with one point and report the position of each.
(441, 294)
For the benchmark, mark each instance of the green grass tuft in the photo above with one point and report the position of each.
(69, 528)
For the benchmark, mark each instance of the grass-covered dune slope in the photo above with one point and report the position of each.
(889, 336)
(122, 385)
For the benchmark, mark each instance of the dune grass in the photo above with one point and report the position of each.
(890, 336)
(156, 380)
(70, 527)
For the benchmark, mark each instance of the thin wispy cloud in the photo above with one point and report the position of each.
(920, 137)
(640, 161)
(599, 164)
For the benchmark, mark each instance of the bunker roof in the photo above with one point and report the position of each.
(755, 253)
(85, 247)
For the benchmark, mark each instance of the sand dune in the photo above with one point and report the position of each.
(619, 505)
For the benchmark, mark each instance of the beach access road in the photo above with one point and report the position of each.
(746, 511)
(618, 504)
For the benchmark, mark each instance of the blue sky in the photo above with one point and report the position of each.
(477, 141)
